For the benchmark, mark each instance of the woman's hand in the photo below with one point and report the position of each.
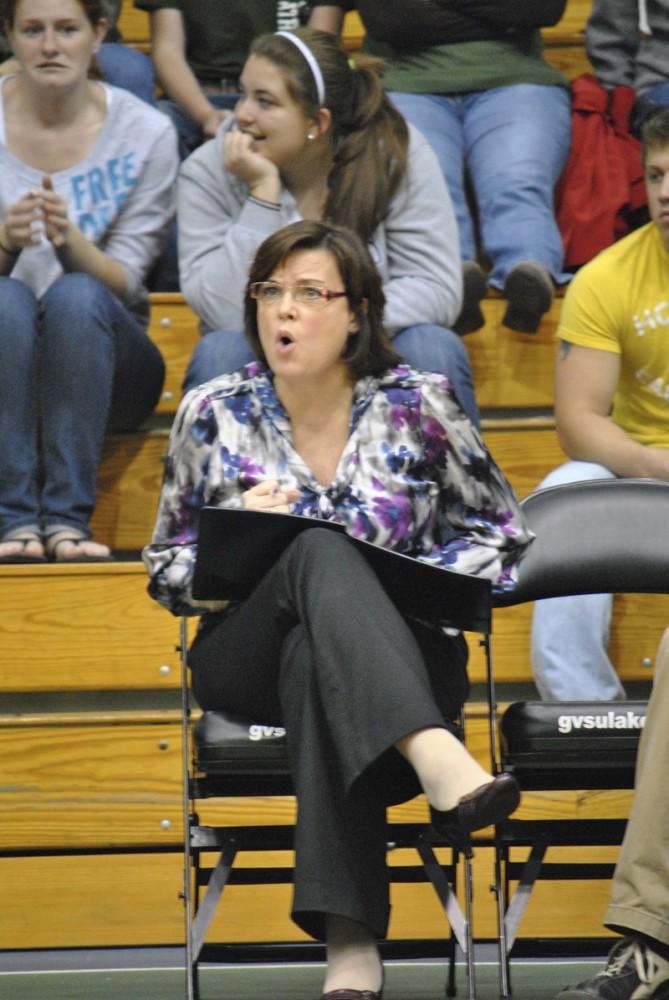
(261, 175)
(269, 495)
(36, 215)
(24, 223)
(56, 221)
(213, 121)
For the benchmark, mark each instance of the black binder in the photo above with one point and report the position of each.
(236, 548)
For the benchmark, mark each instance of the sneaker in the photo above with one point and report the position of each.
(529, 292)
(632, 972)
(474, 288)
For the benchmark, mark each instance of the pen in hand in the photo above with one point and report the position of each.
(269, 495)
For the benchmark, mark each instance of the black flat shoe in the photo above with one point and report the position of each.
(483, 807)
(351, 995)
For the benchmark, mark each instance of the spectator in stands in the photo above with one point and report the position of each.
(470, 75)
(611, 392)
(626, 42)
(199, 50)
(328, 425)
(87, 175)
(119, 64)
(314, 136)
(638, 965)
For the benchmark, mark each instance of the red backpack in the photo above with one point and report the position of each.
(602, 185)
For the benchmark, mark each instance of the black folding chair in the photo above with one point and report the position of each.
(228, 756)
(604, 536)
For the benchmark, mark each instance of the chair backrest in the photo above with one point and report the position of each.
(600, 536)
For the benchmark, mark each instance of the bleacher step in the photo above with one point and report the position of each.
(510, 369)
(84, 627)
(121, 640)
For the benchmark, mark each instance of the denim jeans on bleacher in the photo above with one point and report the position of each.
(189, 132)
(515, 141)
(570, 635)
(123, 66)
(72, 367)
(425, 346)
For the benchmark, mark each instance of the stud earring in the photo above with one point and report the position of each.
(310, 135)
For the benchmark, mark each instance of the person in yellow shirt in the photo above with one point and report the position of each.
(612, 413)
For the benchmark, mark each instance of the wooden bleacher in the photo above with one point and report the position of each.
(90, 821)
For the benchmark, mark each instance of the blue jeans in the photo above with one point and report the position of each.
(570, 635)
(164, 276)
(426, 347)
(189, 133)
(513, 142)
(73, 367)
(125, 67)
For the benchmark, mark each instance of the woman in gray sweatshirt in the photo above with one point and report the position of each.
(315, 137)
(86, 194)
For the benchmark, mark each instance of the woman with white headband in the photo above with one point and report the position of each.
(314, 137)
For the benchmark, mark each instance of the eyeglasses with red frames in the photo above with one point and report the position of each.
(306, 293)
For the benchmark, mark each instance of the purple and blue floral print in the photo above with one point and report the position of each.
(414, 476)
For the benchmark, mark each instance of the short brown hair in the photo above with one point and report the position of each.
(655, 132)
(369, 351)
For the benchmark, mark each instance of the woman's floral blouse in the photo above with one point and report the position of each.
(414, 476)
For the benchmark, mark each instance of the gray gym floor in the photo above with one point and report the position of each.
(158, 975)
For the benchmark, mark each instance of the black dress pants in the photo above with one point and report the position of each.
(320, 648)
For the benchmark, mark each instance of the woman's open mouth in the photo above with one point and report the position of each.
(284, 342)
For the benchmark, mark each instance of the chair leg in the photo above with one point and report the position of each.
(188, 819)
(469, 936)
(500, 889)
(461, 924)
(193, 955)
(451, 987)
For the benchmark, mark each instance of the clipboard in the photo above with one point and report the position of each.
(237, 548)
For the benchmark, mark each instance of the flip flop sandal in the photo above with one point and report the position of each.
(82, 557)
(22, 556)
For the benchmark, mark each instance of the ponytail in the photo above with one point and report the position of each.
(370, 154)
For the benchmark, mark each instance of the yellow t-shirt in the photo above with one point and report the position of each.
(619, 302)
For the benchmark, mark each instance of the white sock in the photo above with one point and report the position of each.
(445, 768)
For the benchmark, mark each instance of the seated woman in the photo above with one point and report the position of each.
(87, 177)
(471, 76)
(315, 137)
(328, 424)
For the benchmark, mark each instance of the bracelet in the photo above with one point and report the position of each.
(10, 253)
(274, 205)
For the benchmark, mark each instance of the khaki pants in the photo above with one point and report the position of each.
(640, 893)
